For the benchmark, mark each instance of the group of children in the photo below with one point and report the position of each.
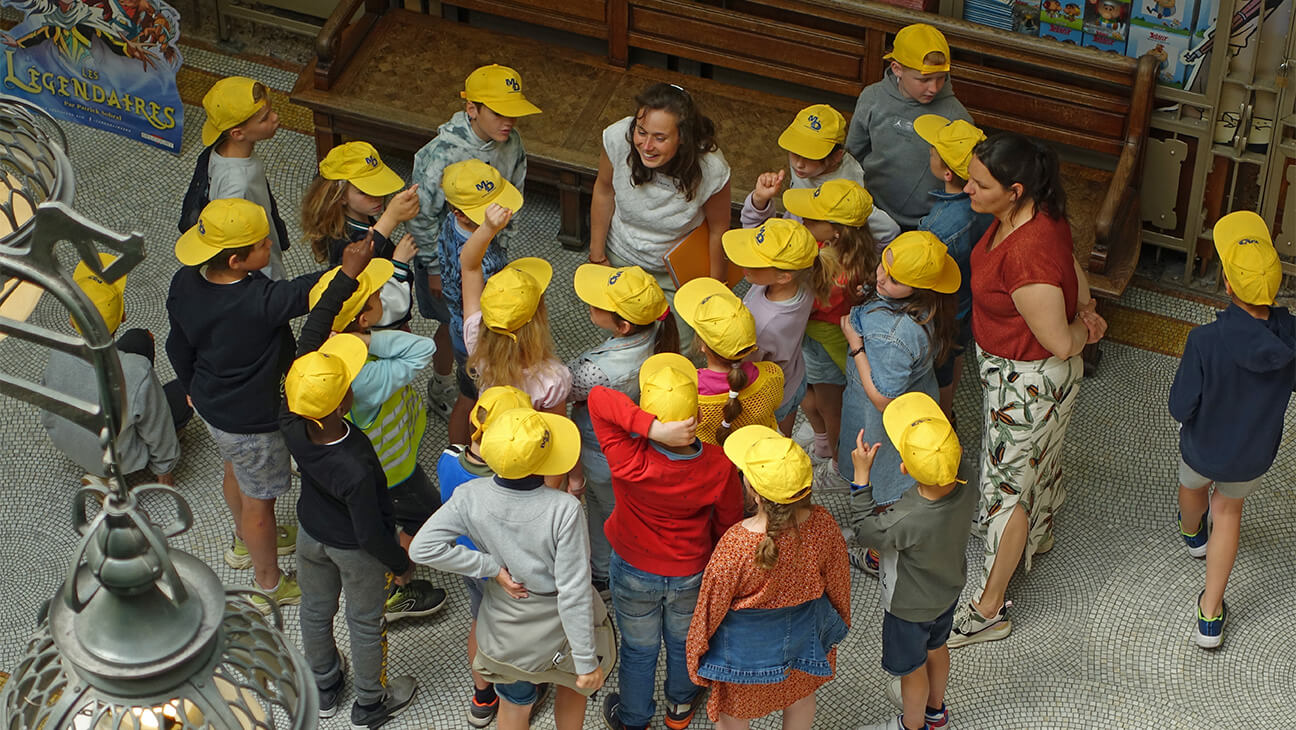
(698, 520)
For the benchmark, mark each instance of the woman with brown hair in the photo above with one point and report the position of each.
(661, 175)
(1032, 315)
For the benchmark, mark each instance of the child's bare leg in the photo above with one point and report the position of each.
(948, 391)
(1221, 551)
(459, 426)
(233, 498)
(443, 359)
(800, 714)
(569, 708)
(478, 682)
(1192, 505)
(513, 717)
(260, 536)
(725, 722)
(785, 426)
(914, 689)
(811, 408)
(829, 401)
(938, 667)
(1011, 546)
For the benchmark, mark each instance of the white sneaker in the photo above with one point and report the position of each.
(970, 627)
(827, 480)
(803, 434)
(892, 724)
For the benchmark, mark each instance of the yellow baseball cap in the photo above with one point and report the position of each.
(838, 201)
(511, 297)
(229, 103)
(668, 387)
(775, 466)
(496, 400)
(953, 140)
(720, 318)
(1247, 254)
(371, 280)
(914, 42)
(521, 442)
(107, 298)
(924, 437)
(472, 185)
(359, 164)
(318, 381)
(224, 224)
(780, 243)
(629, 291)
(920, 260)
(815, 132)
(500, 88)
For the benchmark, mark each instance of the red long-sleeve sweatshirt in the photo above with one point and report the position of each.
(670, 509)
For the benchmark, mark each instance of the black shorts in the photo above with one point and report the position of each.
(945, 370)
(905, 643)
(467, 388)
(414, 500)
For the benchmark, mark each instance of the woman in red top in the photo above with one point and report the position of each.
(1031, 317)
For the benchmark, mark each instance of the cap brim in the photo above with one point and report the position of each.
(375, 274)
(566, 445)
(740, 246)
(510, 197)
(928, 126)
(950, 278)
(351, 349)
(591, 285)
(191, 250)
(538, 268)
(512, 107)
(810, 147)
(381, 182)
(903, 411)
(800, 203)
(210, 133)
(690, 296)
(741, 441)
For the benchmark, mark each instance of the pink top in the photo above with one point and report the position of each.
(548, 383)
(711, 383)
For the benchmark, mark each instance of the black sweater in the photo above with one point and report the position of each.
(230, 344)
(344, 500)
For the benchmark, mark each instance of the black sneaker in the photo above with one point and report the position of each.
(328, 697)
(612, 711)
(400, 690)
(414, 599)
(480, 715)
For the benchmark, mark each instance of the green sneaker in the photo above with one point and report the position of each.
(287, 593)
(238, 557)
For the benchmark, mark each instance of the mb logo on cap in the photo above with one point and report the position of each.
(815, 124)
(486, 186)
(371, 161)
(613, 278)
(513, 84)
(201, 228)
(760, 235)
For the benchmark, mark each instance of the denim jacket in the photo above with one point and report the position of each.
(619, 358)
(451, 242)
(797, 637)
(959, 227)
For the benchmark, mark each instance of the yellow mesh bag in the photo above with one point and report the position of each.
(759, 401)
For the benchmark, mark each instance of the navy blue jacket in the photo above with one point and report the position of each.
(1231, 393)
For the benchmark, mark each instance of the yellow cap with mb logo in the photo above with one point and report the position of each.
(500, 89)
(359, 164)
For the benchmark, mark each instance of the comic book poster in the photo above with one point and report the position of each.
(109, 64)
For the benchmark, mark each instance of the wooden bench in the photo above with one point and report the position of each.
(390, 76)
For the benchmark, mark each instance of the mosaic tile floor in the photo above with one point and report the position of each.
(1101, 624)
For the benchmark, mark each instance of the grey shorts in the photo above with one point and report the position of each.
(820, 367)
(1233, 490)
(474, 587)
(260, 461)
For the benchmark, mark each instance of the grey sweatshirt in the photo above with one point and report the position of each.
(894, 158)
(922, 543)
(539, 534)
(147, 438)
(456, 142)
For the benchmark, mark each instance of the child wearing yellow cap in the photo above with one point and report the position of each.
(897, 335)
(230, 345)
(389, 410)
(347, 539)
(814, 143)
(539, 620)
(1230, 393)
(154, 412)
(882, 137)
(239, 115)
(732, 392)
(780, 259)
(675, 496)
(486, 130)
(923, 541)
(957, 226)
(781, 572)
(345, 202)
(630, 305)
(836, 213)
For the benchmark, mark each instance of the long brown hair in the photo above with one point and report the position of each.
(322, 214)
(779, 518)
(667, 338)
(733, 408)
(503, 360)
(697, 137)
(851, 260)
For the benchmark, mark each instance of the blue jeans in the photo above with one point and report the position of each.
(651, 609)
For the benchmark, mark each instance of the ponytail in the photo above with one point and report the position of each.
(667, 338)
(857, 251)
(733, 408)
(779, 518)
(823, 276)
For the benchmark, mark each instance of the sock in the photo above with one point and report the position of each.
(822, 448)
(935, 712)
(485, 696)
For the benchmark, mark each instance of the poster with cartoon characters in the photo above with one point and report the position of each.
(109, 64)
